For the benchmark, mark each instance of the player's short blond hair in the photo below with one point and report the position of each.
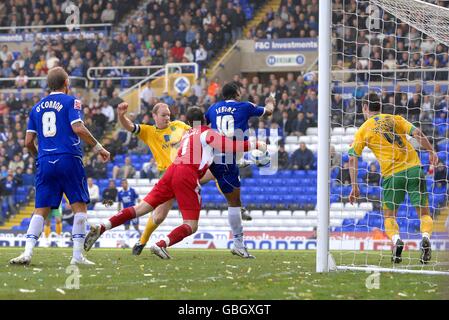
(56, 78)
(157, 106)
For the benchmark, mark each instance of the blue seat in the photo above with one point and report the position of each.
(299, 173)
(135, 159)
(348, 222)
(289, 198)
(25, 222)
(285, 173)
(119, 159)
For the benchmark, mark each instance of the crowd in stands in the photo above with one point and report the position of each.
(389, 43)
(167, 31)
(294, 19)
(36, 14)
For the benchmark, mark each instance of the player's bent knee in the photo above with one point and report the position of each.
(142, 208)
(193, 225)
(158, 219)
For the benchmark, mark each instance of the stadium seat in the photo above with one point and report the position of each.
(299, 213)
(312, 131)
(291, 139)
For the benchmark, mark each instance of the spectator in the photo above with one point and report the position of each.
(99, 168)
(188, 55)
(108, 14)
(149, 170)
(311, 107)
(440, 175)
(107, 110)
(414, 108)
(147, 95)
(302, 158)
(94, 193)
(178, 51)
(283, 162)
(344, 177)
(21, 79)
(335, 158)
(125, 172)
(373, 176)
(8, 188)
(201, 56)
(16, 163)
(300, 125)
(286, 124)
(110, 193)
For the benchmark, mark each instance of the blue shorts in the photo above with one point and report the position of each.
(227, 175)
(58, 174)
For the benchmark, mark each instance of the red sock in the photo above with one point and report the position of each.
(121, 217)
(176, 235)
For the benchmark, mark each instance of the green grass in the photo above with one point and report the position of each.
(202, 274)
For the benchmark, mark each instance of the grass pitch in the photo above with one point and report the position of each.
(201, 274)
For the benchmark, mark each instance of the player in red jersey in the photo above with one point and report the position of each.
(180, 181)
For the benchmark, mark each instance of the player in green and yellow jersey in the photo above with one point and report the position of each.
(162, 139)
(400, 167)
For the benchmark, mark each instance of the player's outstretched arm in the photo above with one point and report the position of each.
(353, 168)
(85, 135)
(30, 139)
(226, 145)
(424, 143)
(122, 108)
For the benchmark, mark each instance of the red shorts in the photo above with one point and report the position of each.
(180, 182)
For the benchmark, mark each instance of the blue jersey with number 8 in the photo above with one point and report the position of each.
(51, 119)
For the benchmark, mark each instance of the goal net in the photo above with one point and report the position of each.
(397, 49)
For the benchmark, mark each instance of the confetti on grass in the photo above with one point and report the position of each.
(60, 290)
(27, 290)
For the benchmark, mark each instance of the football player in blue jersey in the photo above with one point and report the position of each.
(230, 118)
(127, 198)
(57, 124)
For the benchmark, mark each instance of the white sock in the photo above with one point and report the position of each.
(128, 236)
(34, 231)
(78, 233)
(395, 238)
(235, 222)
(425, 235)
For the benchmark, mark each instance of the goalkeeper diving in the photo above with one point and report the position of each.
(400, 167)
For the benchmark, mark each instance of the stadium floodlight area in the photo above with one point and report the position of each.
(397, 49)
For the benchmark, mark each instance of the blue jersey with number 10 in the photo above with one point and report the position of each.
(230, 117)
(51, 119)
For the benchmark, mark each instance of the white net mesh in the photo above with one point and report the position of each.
(398, 50)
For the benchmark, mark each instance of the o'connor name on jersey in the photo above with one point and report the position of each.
(49, 105)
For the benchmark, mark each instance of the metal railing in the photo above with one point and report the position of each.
(13, 79)
(91, 76)
(59, 26)
(161, 70)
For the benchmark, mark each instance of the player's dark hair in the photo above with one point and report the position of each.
(373, 102)
(194, 115)
(230, 90)
(56, 78)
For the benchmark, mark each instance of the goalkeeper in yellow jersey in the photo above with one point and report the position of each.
(400, 167)
(162, 139)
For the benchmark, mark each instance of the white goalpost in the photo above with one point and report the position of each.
(397, 49)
